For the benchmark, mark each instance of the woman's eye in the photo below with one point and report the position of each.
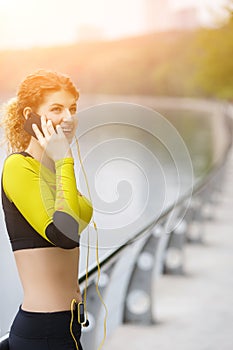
(56, 109)
(73, 110)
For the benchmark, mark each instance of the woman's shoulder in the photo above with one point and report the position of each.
(16, 160)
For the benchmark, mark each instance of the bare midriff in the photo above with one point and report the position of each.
(49, 278)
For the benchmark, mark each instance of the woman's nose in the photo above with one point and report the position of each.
(66, 115)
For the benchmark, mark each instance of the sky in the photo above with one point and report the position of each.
(29, 23)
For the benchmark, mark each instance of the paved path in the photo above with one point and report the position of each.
(194, 311)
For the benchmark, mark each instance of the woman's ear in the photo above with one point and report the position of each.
(26, 112)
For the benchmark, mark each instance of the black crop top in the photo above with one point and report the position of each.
(42, 208)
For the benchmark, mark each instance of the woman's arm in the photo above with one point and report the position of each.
(55, 210)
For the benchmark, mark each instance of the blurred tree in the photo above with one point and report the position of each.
(214, 52)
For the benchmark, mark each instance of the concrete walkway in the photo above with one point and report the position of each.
(194, 311)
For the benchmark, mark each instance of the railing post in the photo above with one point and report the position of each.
(113, 290)
(174, 259)
(140, 291)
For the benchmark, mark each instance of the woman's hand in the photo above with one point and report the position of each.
(54, 141)
(69, 127)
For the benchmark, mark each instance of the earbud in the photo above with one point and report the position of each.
(86, 324)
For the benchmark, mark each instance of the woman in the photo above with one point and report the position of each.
(44, 211)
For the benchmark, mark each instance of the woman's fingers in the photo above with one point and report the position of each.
(47, 131)
(54, 140)
(59, 130)
(39, 135)
(47, 127)
(44, 126)
(50, 127)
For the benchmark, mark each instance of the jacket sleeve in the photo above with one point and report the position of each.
(55, 209)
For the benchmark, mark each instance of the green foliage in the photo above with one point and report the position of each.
(214, 52)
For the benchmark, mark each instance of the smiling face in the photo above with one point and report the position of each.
(58, 106)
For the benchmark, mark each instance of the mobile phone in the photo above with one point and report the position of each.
(33, 118)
